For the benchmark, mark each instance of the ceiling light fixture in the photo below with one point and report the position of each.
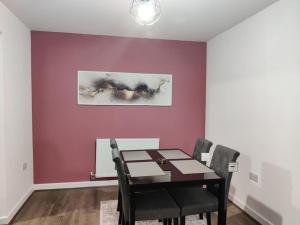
(145, 12)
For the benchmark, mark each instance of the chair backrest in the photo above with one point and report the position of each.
(113, 143)
(123, 184)
(202, 146)
(220, 161)
(115, 154)
(115, 150)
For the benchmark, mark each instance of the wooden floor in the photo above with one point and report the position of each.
(81, 207)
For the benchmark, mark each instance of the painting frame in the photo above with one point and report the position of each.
(102, 88)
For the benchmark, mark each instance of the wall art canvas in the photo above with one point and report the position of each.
(114, 88)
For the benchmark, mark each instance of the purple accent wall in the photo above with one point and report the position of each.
(64, 132)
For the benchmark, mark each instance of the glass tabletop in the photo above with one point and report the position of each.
(173, 176)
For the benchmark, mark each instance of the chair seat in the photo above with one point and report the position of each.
(156, 204)
(194, 200)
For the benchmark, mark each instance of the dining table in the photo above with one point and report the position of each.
(168, 168)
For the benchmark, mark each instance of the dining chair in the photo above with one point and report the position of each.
(195, 200)
(116, 152)
(147, 205)
(202, 146)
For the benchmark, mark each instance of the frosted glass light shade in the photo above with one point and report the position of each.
(145, 12)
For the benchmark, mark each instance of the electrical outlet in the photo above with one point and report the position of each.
(24, 167)
(254, 177)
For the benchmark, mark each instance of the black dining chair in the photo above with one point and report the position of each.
(147, 205)
(195, 200)
(115, 149)
(202, 146)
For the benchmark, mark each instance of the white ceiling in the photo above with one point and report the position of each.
(195, 20)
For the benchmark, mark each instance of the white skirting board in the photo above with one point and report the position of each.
(83, 184)
(12, 213)
(257, 216)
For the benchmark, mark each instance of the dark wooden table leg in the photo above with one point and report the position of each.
(132, 208)
(175, 221)
(221, 208)
(182, 220)
(201, 216)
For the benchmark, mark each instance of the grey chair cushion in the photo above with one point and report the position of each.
(157, 204)
(201, 146)
(194, 200)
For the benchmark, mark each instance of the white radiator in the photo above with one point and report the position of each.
(104, 164)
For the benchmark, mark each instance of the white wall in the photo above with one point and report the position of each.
(2, 165)
(253, 105)
(15, 115)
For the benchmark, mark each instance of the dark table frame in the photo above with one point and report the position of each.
(189, 181)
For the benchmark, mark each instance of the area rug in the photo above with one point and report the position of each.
(109, 216)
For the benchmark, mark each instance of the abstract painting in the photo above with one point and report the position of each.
(114, 88)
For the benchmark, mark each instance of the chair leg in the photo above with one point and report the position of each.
(119, 201)
(182, 220)
(175, 221)
(169, 221)
(208, 218)
(165, 222)
(131, 222)
(120, 218)
(201, 216)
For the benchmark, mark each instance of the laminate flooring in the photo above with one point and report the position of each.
(82, 207)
